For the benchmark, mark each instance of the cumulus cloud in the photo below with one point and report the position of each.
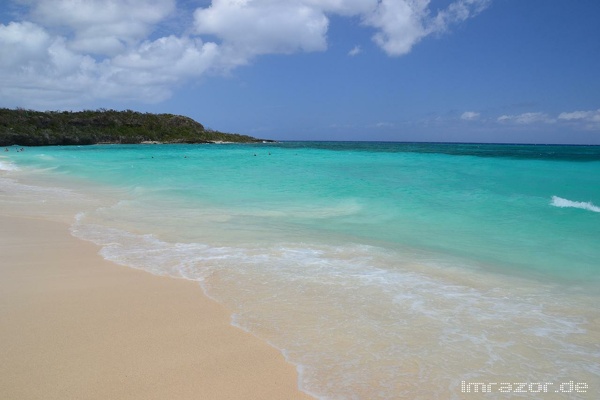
(527, 118)
(101, 26)
(21, 43)
(54, 74)
(74, 52)
(248, 28)
(164, 62)
(38, 63)
(399, 24)
(255, 27)
(470, 115)
(402, 23)
(65, 52)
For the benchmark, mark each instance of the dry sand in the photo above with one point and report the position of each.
(75, 326)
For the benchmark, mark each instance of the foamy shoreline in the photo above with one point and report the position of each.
(77, 326)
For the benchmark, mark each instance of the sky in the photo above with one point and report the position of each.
(516, 71)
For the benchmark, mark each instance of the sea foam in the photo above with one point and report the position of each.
(565, 203)
(7, 166)
(387, 317)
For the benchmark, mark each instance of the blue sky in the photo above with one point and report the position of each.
(397, 70)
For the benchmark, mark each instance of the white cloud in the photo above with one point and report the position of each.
(101, 26)
(588, 120)
(167, 59)
(527, 118)
(68, 52)
(22, 42)
(399, 24)
(588, 116)
(51, 74)
(583, 120)
(470, 115)
(250, 28)
(79, 51)
(457, 12)
(38, 65)
(356, 50)
(254, 27)
(343, 7)
(403, 23)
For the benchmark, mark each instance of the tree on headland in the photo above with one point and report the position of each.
(44, 128)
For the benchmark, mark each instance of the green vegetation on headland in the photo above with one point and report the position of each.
(35, 128)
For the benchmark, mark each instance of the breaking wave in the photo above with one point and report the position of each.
(565, 203)
(7, 166)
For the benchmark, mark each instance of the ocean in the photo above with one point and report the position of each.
(380, 270)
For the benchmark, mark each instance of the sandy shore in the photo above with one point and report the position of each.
(75, 326)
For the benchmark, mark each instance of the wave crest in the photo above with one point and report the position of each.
(565, 203)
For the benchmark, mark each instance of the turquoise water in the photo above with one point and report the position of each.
(382, 270)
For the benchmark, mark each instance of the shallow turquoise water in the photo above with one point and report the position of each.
(494, 205)
(368, 264)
